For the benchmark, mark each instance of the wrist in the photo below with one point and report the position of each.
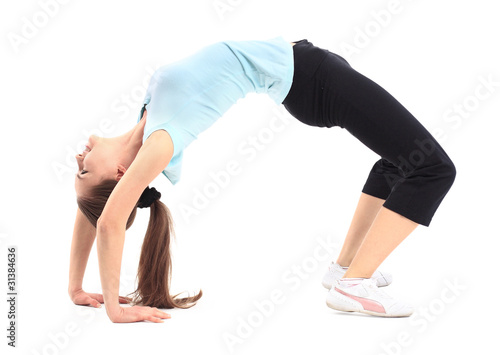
(73, 289)
(113, 310)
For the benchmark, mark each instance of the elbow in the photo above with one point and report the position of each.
(106, 226)
(101, 225)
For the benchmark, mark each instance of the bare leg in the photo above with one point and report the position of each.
(366, 211)
(388, 230)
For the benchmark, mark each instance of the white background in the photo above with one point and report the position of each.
(67, 69)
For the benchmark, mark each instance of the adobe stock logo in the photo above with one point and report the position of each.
(422, 319)
(223, 6)
(291, 280)
(31, 27)
(364, 35)
(247, 151)
(483, 91)
(464, 109)
(425, 148)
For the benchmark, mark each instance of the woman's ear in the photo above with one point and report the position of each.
(120, 171)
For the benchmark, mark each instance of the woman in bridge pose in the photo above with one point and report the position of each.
(403, 189)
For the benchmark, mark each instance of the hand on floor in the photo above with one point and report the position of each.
(83, 298)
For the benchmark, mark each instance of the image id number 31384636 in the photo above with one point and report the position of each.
(11, 296)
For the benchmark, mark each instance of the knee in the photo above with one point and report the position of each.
(451, 171)
(447, 172)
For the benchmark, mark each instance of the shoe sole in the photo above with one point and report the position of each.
(343, 303)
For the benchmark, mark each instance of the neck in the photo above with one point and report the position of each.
(130, 143)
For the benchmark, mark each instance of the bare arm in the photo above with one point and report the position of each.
(152, 158)
(84, 235)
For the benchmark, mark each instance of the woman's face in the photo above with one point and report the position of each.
(94, 165)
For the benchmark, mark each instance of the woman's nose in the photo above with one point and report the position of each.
(92, 138)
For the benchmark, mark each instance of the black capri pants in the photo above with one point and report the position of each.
(414, 172)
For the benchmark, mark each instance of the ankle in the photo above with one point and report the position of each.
(353, 274)
(343, 263)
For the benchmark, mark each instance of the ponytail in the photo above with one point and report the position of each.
(155, 264)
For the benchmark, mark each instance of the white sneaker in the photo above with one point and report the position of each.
(363, 295)
(336, 272)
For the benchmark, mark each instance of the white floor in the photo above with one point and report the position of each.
(259, 243)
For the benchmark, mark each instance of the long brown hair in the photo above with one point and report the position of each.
(155, 264)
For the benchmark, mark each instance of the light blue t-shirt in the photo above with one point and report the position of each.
(188, 96)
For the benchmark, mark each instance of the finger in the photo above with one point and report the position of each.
(97, 296)
(94, 303)
(153, 314)
(122, 299)
(153, 319)
(89, 301)
(161, 314)
(84, 301)
(155, 311)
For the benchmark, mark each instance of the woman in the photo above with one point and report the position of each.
(404, 188)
